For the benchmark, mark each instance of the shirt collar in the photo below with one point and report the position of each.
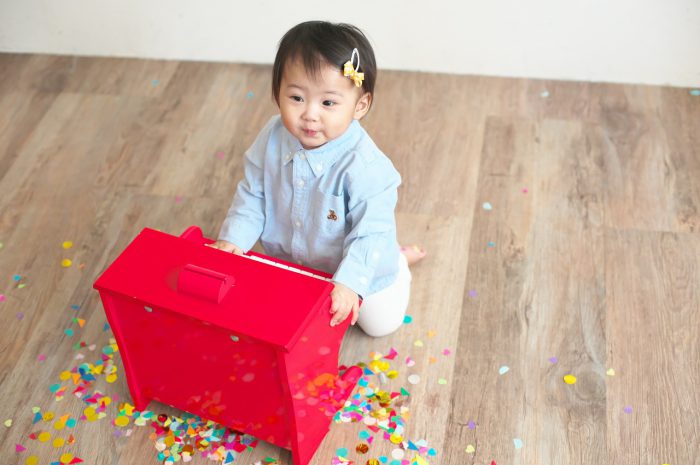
(325, 156)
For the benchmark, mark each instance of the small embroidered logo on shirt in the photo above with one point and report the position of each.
(332, 215)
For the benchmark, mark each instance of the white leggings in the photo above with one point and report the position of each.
(383, 312)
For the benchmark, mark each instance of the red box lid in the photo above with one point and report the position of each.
(270, 304)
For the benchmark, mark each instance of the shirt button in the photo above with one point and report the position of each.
(302, 156)
(288, 157)
(297, 223)
(300, 183)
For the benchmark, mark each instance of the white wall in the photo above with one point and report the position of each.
(637, 41)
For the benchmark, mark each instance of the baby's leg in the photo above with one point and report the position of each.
(383, 312)
(413, 253)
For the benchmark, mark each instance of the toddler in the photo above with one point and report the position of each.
(316, 190)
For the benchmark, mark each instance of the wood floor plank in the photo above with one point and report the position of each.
(653, 298)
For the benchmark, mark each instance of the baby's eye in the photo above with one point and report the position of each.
(296, 98)
(328, 103)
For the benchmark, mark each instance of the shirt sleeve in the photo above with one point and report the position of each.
(246, 217)
(373, 196)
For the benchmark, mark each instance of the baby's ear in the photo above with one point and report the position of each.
(362, 105)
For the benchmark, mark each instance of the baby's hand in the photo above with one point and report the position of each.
(226, 247)
(344, 301)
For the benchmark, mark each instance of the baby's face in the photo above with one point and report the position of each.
(318, 110)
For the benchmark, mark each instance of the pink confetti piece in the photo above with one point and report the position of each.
(471, 424)
(628, 409)
(221, 155)
(41, 357)
(446, 352)
(178, 199)
(472, 293)
(20, 315)
(19, 448)
(525, 191)
(553, 359)
(2, 297)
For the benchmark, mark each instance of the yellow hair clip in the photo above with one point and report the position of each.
(350, 70)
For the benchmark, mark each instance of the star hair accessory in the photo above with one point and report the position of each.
(350, 70)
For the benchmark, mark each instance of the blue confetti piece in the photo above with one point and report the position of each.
(368, 372)
(341, 452)
(695, 92)
(407, 319)
(69, 332)
(491, 244)
(518, 443)
(75, 307)
(71, 422)
(16, 277)
(37, 418)
(432, 452)
(412, 446)
(395, 462)
(249, 95)
(105, 327)
(364, 435)
(155, 82)
(503, 370)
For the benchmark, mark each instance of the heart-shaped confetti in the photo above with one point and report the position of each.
(610, 372)
(487, 206)
(470, 449)
(518, 443)
(503, 370)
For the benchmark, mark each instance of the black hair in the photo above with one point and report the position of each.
(316, 42)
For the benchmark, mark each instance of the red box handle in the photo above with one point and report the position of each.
(204, 283)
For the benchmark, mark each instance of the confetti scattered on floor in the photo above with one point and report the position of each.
(487, 206)
(544, 94)
(569, 379)
(695, 92)
(610, 372)
(503, 370)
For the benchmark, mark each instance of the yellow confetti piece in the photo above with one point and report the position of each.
(48, 416)
(58, 442)
(67, 244)
(121, 420)
(569, 379)
(64, 375)
(470, 449)
(442, 381)
(44, 436)
(59, 425)
(32, 460)
(8, 422)
(611, 372)
(392, 374)
(111, 378)
(66, 458)
(65, 263)
(396, 438)
(89, 412)
(418, 343)
(431, 333)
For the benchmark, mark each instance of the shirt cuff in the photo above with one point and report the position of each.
(355, 275)
(240, 233)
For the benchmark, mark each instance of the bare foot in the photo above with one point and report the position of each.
(413, 253)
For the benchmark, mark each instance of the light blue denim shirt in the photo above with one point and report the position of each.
(330, 208)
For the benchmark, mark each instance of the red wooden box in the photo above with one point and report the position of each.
(234, 339)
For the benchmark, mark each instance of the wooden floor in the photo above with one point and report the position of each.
(587, 261)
